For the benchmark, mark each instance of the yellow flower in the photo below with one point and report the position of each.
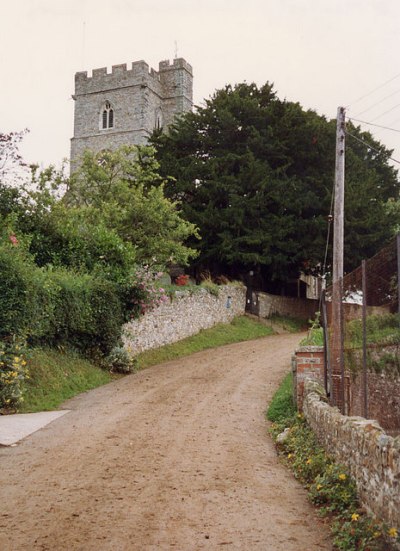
(393, 532)
(319, 486)
(289, 455)
(342, 476)
(309, 461)
(376, 534)
(355, 517)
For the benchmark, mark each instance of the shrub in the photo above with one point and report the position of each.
(120, 361)
(12, 372)
(15, 290)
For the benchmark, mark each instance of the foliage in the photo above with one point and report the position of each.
(125, 191)
(56, 306)
(334, 491)
(241, 329)
(58, 374)
(12, 166)
(73, 238)
(120, 361)
(380, 330)
(282, 405)
(13, 372)
(359, 531)
(289, 323)
(315, 336)
(144, 293)
(255, 174)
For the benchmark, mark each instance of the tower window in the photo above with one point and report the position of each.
(107, 116)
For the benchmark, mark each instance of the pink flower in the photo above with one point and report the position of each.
(13, 240)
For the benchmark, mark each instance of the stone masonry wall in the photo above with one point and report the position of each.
(371, 456)
(183, 316)
(286, 306)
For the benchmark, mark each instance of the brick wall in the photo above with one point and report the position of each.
(371, 456)
(185, 315)
(307, 364)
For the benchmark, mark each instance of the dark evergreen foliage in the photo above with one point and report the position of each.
(256, 173)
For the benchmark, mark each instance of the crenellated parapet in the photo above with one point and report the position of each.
(139, 73)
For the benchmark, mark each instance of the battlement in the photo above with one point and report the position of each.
(178, 63)
(137, 69)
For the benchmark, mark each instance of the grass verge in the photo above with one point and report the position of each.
(291, 324)
(241, 329)
(329, 485)
(56, 376)
(282, 405)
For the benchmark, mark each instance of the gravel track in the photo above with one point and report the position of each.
(175, 457)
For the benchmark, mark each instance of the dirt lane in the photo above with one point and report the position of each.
(174, 457)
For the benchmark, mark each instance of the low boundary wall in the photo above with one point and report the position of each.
(182, 316)
(371, 456)
(286, 306)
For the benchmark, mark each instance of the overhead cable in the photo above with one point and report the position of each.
(377, 103)
(372, 124)
(374, 90)
(370, 146)
(388, 111)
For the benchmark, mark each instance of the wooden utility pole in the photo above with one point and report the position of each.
(337, 275)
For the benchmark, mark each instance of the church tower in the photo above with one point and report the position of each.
(126, 105)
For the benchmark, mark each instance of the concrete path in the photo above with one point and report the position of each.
(14, 428)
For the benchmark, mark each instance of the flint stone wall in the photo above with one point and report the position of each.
(371, 456)
(185, 315)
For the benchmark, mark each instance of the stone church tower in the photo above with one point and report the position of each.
(126, 105)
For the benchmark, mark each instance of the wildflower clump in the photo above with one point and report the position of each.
(13, 372)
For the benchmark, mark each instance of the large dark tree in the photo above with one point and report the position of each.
(255, 174)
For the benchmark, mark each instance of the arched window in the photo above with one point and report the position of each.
(107, 116)
(158, 123)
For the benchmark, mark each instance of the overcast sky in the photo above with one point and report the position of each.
(321, 53)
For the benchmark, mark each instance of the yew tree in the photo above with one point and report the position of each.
(255, 174)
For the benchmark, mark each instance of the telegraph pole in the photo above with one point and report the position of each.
(337, 275)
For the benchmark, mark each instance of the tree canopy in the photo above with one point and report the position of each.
(255, 175)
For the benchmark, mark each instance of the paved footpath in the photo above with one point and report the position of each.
(176, 457)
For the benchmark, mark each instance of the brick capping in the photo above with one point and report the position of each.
(307, 364)
(371, 456)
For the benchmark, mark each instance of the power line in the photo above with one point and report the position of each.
(370, 146)
(374, 90)
(388, 111)
(372, 124)
(377, 103)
